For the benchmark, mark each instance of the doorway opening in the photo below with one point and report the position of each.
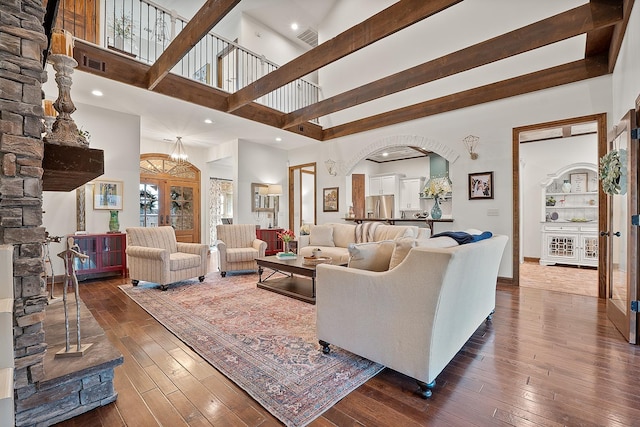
(556, 234)
(220, 205)
(302, 196)
(170, 196)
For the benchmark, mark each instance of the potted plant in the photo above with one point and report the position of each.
(123, 29)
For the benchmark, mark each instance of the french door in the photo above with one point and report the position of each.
(170, 195)
(622, 236)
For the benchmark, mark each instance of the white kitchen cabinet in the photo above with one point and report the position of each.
(384, 184)
(410, 190)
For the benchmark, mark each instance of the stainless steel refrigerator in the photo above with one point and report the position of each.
(379, 206)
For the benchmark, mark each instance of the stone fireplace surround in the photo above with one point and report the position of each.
(46, 390)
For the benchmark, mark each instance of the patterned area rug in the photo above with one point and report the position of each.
(264, 342)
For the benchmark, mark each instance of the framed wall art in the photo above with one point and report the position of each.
(578, 182)
(481, 185)
(330, 199)
(107, 194)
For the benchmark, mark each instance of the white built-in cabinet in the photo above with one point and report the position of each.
(410, 192)
(569, 220)
(384, 184)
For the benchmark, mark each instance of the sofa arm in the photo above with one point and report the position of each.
(260, 246)
(148, 253)
(303, 240)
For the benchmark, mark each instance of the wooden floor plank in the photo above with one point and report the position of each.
(547, 359)
(186, 409)
(162, 409)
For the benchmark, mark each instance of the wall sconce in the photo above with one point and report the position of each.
(331, 167)
(471, 142)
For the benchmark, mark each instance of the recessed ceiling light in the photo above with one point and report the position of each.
(208, 121)
(96, 92)
(278, 139)
(385, 154)
(294, 26)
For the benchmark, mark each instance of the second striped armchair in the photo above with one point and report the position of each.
(239, 247)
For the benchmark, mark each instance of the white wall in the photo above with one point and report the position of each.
(261, 164)
(118, 135)
(493, 123)
(264, 41)
(626, 84)
(538, 160)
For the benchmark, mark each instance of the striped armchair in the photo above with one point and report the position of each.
(155, 256)
(238, 247)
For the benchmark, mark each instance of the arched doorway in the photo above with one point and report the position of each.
(170, 195)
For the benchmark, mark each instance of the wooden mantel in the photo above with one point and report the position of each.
(67, 167)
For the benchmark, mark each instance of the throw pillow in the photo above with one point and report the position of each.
(424, 233)
(321, 235)
(400, 251)
(374, 256)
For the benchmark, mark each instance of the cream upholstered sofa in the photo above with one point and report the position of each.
(415, 317)
(334, 239)
(238, 247)
(155, 256)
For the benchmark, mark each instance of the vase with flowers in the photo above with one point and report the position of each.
(438, 189)
(286, 236)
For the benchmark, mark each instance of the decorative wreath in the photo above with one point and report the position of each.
(613, 172)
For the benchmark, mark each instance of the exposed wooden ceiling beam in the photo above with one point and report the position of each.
(204, 20)
(551, 77)
(129, 71)
(618, 33)
(392, 19)
(551, 30)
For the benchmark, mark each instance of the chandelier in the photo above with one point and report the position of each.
(179, 154)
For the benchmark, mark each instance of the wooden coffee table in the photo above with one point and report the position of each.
(296, 280)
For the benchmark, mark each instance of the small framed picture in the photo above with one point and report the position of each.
(107, 195)
(330, 199)
(481, 185)
(578, 182)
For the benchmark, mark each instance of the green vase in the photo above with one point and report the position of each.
(114, 224)
(436, 212)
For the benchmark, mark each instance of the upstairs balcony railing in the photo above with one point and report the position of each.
(143, 30)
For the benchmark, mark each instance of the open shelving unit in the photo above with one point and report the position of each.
(569, 219)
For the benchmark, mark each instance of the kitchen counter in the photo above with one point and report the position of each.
(429, 221)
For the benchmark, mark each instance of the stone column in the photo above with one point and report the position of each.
(22, 41)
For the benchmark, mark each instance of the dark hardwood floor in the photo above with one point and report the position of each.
(548, 358)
